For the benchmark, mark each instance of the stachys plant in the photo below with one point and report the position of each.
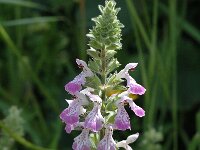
(99, 95)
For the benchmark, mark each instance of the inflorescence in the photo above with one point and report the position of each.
(99, 95)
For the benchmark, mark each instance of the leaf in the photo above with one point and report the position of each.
(110, 54)
(112, 65)
(111, 117)
(93, 53)
(95, 65)
(93, 82)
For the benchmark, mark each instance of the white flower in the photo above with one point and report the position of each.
(124, 71)
(125, 143)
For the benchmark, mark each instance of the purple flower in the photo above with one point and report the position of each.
(82, 142)
(122, 118)
(107, 143)
(75, 85)
(71, 114)
(69, 127)
(134, 87)
(94, 120)
(130, 139)
(136, 109)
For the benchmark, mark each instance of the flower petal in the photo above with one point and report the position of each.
(134, 87)
(137, 89)
(71, 114)
(75, 85)
(94, 120)
(107, 143)
(124, 71)
(122, 120)
(83, 65)
(136, 109)
(132, 138)
(82, 142)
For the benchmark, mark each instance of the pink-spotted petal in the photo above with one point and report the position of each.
(107, 143)
(71, 114)
(134, 87)
(94, 120)
(122, 120)
(82, 142)
(69, 128)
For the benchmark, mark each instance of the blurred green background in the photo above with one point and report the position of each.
(40, 40)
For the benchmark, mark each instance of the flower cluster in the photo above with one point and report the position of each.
(92, 110)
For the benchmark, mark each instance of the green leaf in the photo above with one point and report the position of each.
(95, 44)
(93, 53)
(95, 65)
(110, 54)
(111, 117)
(112, 65)
(93, 82)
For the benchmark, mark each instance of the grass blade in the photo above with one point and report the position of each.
(27, 21)
(138, 22)
(23, 4)
(187, 27)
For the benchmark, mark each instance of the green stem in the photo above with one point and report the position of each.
(103, 73)
(103, 80)
(138, 22)
(173, 38)
(152, 64)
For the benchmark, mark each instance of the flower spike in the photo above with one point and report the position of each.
(98, 106)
